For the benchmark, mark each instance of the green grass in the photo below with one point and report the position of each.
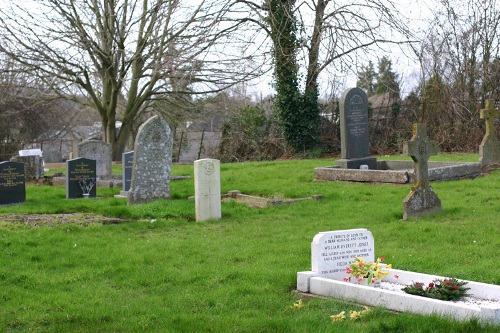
(163, 272)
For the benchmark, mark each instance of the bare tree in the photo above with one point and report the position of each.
(120, 55)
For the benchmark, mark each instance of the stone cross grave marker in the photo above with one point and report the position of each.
(333, 251)
(355, 145)
(12, 183)
(100, 152)
(421, 200)
(152, 162)
(489, 150)
(127, 163)
(80, 178)
(207, 189)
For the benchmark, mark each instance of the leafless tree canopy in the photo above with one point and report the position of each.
(121, 54)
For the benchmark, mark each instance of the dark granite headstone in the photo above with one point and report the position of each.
(355, 145)
(80, 178)
(12, 183)
(127, 162)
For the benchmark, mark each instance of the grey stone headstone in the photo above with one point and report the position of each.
(152, 162)
(12, 183)
(33, 166)
(333, 251)
(100, 152)
(489, 149)
(80, 178)
(354, 135)
(421, 200)
(207, 194)
(127, 163)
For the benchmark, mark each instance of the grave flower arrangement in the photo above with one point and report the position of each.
(445, 290)
(372, 271)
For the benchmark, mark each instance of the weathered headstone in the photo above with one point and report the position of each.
(80, 178)
(489, 150)
(100, 152)
(127, 163)
(333, 251)
(354, 136)
(12, 183)
(207, 189)
(152, 162)
(421, 200)
(33, 163)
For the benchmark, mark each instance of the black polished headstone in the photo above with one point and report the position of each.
(12, 183)
(80, 172)
(354, 135)
(127, 162)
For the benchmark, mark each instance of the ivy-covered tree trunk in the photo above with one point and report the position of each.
(298, 114)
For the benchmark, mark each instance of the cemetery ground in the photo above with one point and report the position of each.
(155, 269)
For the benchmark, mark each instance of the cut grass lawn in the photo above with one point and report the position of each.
(163, 272)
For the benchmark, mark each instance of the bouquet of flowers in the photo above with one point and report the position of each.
(362, 269)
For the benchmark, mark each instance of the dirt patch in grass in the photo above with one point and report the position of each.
(37, 220)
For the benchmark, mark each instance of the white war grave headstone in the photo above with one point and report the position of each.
(207, 189)
(152, 162)
(100, 152)
(421, 200)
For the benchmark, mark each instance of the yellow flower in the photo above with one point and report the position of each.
(298, 304)
(338, 317)
(366, 310)
(355, 315)
(388, 266)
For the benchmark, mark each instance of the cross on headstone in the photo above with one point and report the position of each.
(420, 148)
(489, 150)
(422, 199)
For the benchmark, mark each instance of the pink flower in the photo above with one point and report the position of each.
(396, 276)
(382, 259)
(346, 279)
(360, 264)
(373, 281)
(360, 279)
(348, 270)
(454, 287)
(431, 285)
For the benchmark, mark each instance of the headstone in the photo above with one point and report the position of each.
(207, 189)
(354, 136)
(333, 251)
(12, 183)
(100, 152)
(33, 163)
(421, 200)
(489, 150)
(127, 162)
(152, 162)
(80, 178)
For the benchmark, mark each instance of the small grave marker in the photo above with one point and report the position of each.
(80, 178)
(355, 145)
(12, 183)
(421, 200)
(100, 152)
(127, 163)
(152, 162)
(489, 150)
(333, 251)
(207, 189)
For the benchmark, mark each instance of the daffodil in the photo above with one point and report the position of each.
(338, 317)
(298, 304)
(355, 315)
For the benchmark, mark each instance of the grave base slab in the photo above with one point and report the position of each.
(317, 284)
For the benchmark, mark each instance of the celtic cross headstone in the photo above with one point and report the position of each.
(489, 150)
(421, 200)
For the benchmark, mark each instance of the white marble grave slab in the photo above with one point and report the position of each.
(207, 189)
(333, 251)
